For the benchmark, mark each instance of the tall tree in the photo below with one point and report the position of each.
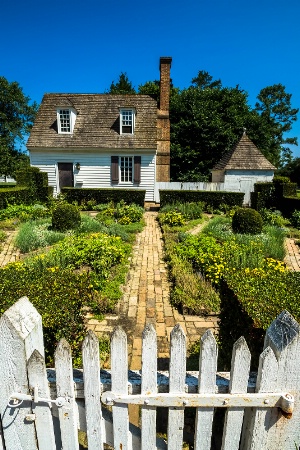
(122, 86)
(16, 119)
(277, 116)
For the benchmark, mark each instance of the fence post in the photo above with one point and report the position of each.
(21, 333)
(283, 338)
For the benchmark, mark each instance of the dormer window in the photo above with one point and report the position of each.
(66, 120)
(127, 121)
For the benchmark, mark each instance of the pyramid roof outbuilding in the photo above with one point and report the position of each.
(244, 156)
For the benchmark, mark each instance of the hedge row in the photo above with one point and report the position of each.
(80, 195)
(251, 302)
(282, 196)
(212, 198)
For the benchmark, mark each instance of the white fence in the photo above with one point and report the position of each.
(43, 409)
(237, 186)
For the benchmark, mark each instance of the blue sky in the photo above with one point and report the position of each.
(82, 46)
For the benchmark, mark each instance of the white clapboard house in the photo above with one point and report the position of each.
(104, 140)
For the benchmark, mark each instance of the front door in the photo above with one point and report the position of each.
(65, 175)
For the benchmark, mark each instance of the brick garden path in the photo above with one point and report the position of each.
(146, 300)
(146, 294)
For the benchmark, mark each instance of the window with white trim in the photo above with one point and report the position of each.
(126, 169)
(65, 120)
(127, 121)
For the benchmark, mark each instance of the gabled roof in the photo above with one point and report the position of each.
(244, 155)
(97, 123)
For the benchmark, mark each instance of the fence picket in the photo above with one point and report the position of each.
(65, 388)
(240, 367)
(119, 381)
(21, 334)
(283, 336)
(92, 391)
(256, 426)
(37, 376)
(206, 385)
(176, 385)
(149, 385)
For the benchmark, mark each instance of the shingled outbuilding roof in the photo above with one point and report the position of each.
(97, 123)
(244, 156)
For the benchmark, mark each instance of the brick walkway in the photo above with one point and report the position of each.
(146, 294)
(146, 300)
(292, 258)
(9, 252)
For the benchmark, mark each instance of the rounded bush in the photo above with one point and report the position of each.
(247, 221)
(65, 217)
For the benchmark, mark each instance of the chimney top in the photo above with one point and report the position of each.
(165, 60)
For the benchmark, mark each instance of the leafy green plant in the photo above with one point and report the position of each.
(37, 234)
(272, 217)
(247, 221)
(295, 219)
(172, 218)
(24, 212)
(65, 217)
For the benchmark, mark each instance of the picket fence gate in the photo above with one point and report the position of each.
(44, 408)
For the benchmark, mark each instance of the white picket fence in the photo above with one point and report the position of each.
(44, 408)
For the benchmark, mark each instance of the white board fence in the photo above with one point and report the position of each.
(44, 408)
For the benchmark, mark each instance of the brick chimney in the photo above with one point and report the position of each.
(163, 122)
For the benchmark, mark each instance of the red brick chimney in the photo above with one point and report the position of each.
(163, 122)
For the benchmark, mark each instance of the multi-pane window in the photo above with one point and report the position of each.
(127, 121)
(64, 121)
(126, 169)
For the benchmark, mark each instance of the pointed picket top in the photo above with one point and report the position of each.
(240, 366)
(63, 349)
(267, 364)
(23, 316)
(148, 331)
(177, 331)
(90, 344)
(281, 332)
(118, 334)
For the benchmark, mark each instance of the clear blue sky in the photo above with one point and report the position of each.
(82, 46)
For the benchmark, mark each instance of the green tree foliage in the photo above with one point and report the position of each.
(207, 120)
(292, 170)
(16, 119)
(277, 115)
(122, 86)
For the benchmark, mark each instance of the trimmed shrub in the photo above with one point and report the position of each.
(85, 195)
(295, 219)
(36, 183)
(65, 217)
(212, 198)
(247, 221)
(14, 196)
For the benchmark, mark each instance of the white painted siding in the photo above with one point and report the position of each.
(244, 180)
(94, 169)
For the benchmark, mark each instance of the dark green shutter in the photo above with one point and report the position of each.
(137, 169)
(115, 169)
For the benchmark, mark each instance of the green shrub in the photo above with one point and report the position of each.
(190, 211)
(280, 179)
(35, 235)
(295, 219)
(60, 296)
(65, 217)
(272, 217)
(172, 218)
(86, 195)
(24, 212)
(247, 221)
(212, 198)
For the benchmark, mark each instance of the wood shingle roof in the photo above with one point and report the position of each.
(244, 156)
(97, 123)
